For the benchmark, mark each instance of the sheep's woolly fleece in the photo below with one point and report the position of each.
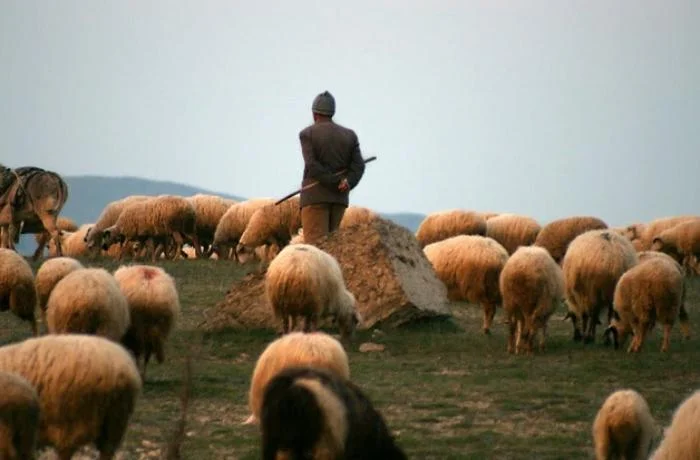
(383, 266)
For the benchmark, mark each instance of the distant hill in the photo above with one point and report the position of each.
(88, 195)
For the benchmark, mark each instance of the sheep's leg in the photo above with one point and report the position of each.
(489, 312)
(285, 325)
(667, 337)
(293, 320)
(684, 323)
(40, 245)
(512, 329)
(642, 334)
(543, 336)
(179, 242)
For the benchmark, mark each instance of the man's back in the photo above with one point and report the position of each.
(329, 148)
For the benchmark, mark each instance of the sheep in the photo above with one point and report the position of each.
(19, 417)
(154, 307)
(594, 262)
(63, 224)
(72, 243)
(88, 301)
(108, 217)
(311, 413)
(304, 281)
(445, 224)
(355, 215)
(158, 218)
(651, 291)
(470, 267)
(681, 439)
(232, 225)
(49, 274)
(272, 224)
(532, 287)
(316, 349)
(623, 427)
(556, 236)
(209, 210)
(512, 230)
(682, 242)
(17, 291)
(87, 388)
(655, 227)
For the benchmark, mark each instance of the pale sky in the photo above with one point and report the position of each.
(544, 108)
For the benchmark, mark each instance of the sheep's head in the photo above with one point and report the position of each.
(244, 253)
(86, 238)
(347, 315)
(618, 330)
(660, 245)
(110, 236)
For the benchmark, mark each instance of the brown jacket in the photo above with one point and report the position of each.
(327, 148)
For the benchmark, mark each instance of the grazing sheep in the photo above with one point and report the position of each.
(108, 217)
(88, 301)
(156, 220)
(470, 267)
(17, 291)
(355, 215)
(72, 243)
(657, 226)
(49, 274)
(593, 264)
(315, 349)
(682, 438)
(651, 291)
(19, 417)
(556, 236)
(232, 225)
(441, 225)
(532, 287)
(209, 210)
(682, 242)
(272, 225)
(310, 413)
(154, 307)
(304, 281)
(63, 224)
(623, 427)
(87, 388)
(512, 231)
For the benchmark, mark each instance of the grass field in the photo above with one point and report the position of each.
(445, 389)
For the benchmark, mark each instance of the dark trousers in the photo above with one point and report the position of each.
(318, 220)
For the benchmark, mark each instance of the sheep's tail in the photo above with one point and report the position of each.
(178, 436)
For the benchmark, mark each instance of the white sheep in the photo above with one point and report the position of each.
(19, 417)
(272, 225)
(623, 427)
(154, 307)
(682, 438)
(17, 291)
(307, 410)
(107, 218)
(87, 387)
(441, 225)
(652, 291)
(88, 301)
(209, 210)
(532, 287)
(49, 274)
(682, 242)
(232, 225)
(315, 349)
(307, 282)
(470, 267)
(72, 243)
(556, 236)
(654, 228)
(512, 230)
(594, 262)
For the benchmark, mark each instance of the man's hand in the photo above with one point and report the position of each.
(344, 186)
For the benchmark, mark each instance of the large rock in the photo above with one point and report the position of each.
(384, 267)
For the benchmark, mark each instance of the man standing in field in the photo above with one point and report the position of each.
(328, 148)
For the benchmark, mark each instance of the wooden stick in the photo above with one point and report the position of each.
(308, 186)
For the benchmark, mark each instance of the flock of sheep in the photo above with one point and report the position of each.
(301, 393)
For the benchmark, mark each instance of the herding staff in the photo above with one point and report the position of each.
(308, 186)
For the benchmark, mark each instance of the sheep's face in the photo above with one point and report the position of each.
(618, 329)
(348, 317)
(660, 245)
(110, 237)
(244, 253)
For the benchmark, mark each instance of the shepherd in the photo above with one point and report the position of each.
(328, 148)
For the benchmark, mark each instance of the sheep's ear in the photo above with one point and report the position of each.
(87, 234)
(106, 233)
(657, 240)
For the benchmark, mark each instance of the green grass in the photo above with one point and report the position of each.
(446, 390)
